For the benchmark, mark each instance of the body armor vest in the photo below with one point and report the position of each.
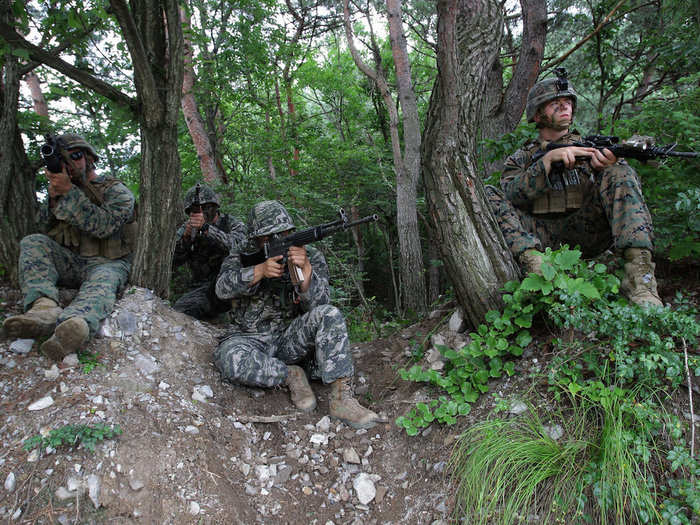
(116, 246)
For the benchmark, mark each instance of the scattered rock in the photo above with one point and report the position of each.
(517, 407)
(556, 432)
(364, 487)
(456, 322)
(21, 346)
(10, 482)
(41, 404)
(94, 485)
(351, 456)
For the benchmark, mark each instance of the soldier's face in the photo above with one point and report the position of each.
(556, 114)
(76, 163)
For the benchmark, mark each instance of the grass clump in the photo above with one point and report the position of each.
(71, 435)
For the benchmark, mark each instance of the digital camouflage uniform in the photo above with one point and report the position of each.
(611, 212)
(45, 264)
(272, 325)
(204, 256)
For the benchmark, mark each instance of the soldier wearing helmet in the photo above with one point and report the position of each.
(90, 234)
(203, 241)
(277, 325)
(573, 195)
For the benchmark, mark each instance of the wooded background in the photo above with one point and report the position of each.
(400, 108)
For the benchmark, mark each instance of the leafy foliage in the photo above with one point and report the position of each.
(71, 435)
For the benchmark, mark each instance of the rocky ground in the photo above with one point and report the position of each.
(194, 449)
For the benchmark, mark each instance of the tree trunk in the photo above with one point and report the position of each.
(17, 198)
(41, 108)
(156, 51)
(195, 123)
(464, 228)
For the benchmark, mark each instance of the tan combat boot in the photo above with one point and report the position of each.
(531, 262)
(38, 321)
(69, 336)
(300, 389)
(344, 406)
(639, 283)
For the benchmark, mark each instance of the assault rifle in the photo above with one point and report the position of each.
(51, 152)
(636, 147)
(195, 207)
(278, 244)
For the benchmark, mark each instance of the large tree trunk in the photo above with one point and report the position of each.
(156, 52)
(471, 244)
(17, 198)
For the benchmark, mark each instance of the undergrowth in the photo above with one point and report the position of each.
(72, 435)
(623, 457)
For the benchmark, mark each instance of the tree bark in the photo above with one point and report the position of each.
(17, 198)
(41, 108)
(406, 164)
(195, 123)
(464, 228)
(153, 33)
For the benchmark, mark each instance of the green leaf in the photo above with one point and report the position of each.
(548, 271)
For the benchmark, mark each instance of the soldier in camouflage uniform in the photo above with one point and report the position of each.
(573, 195)
(276, 324)
(202, 243)
(90, 230)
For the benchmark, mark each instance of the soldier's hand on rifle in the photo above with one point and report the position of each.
(195, 223)
(59, 183)
(272, 268)
(297, 256)
(603, 159)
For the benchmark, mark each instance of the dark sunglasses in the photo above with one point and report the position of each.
(76, 155)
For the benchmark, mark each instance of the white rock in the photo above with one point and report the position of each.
(62, 493)
(74, 484)
(324, 424)
(437, 339)
(262, 472)
(190, 429)
(21, 346)
(10, 482)
(17, 513)
(71, 360)
(319, 439)
(206, 390)
(93, 485)
(194, 508)
(517, 407)
(364, 487)
(33, 456)
(52, 373)
(163, 385)
(41, 404)
(555, 432)
(456, 322)
(198, 396)
(351, 456)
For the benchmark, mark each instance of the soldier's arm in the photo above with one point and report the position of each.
(233, 280)
(319, 289)
(182, 247)
(76, 208)
(522, 180)
(237, 236)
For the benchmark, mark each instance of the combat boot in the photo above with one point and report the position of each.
(639, 283)
(531, 262)
(38, 321)
(68, 337)
(344, 406)
(300, 389)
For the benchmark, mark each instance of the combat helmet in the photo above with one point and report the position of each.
(206, 196)
(547, 90)
(72, 141)
(268, 218)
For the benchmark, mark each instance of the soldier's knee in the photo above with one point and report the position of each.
(326, 311)
(34, 240)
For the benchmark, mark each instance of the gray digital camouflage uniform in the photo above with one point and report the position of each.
(272, 325)
(204, 256)
(611, 214)
(45, 264)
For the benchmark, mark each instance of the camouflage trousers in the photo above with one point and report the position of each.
(613, 215)
(201, 302)
(44, 265)
(261, 360)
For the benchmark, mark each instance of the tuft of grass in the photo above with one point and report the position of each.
(71, 435)
(509, 470)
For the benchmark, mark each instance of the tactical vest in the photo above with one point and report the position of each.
(116, 246)
(568, 186)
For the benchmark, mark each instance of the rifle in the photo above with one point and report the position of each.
(52, 153)
(636, 147)
(278, 245)
(196, 207)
